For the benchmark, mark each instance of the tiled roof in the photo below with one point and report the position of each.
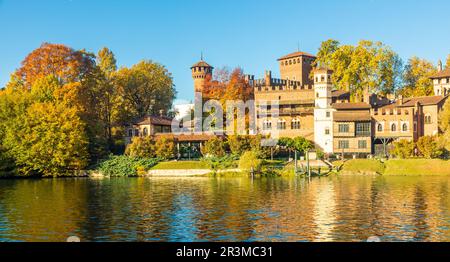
(296, 54)
(424, 100)
(201, 64)
(350, 106)
(339, 93)
(442, 74)
(155, 120)
(189, 137)
(351, 116)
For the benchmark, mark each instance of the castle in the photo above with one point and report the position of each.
(311, 108)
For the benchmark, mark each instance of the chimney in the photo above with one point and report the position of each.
(400, 100)
(439, 66)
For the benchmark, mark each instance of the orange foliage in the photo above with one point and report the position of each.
(55, 59)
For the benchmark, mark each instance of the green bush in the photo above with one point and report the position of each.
(240, 144)
(215, 147)
(225, 162)
(165, 148)
(403, 149)
(142, 147)
(429, 147)
(118, 166)
(250, 161)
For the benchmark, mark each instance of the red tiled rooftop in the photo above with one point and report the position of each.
(296, 54)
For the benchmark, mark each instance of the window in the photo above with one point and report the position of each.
(415, 126)
(343, 144)
(267, 125)
(281, 125)
(363, 129)
(405, 127)
(317, 95)
(130, 132)
(145, 132)
(428, 119)
(136, 132)
(344, 128)
(362, 144)
(328, 114)
(393, 128)
(380, 127)
(295, 124)
(327, 131)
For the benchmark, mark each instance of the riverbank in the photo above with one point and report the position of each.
(395, 167)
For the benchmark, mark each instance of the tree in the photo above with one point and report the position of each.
(403, 149)
(146, 88)
(428, 147)
(250, 162)
(215, 147)
(326, 50)
(49, 139)
(165, 148)
(416, 78)
(369, 65)
(55, 59)
(142, 147)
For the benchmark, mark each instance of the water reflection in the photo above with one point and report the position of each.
(346, 208)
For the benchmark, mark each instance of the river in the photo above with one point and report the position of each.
(338, 208)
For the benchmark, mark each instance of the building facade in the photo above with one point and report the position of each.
(308, 106)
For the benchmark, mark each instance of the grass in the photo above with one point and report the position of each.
(417, 167)
(363, 166)
(176, 165)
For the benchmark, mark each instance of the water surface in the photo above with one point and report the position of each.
(345, 208)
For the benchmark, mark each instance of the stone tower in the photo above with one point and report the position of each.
(199, 73)
(297, 67)
(323, 111)
(323, 87)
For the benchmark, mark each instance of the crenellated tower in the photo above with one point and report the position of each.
(200, 71)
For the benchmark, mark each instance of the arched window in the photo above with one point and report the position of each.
(380, 128)
(394, 128)
(405, 127)
(281, 124)
(136, 132)
(295, 124)
(428, 119)
(267, 125)
(145, 132)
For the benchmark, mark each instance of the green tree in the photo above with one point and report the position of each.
(49, 139)
(416, 78)
(250, 161)
(429, 147)
(369, 65)
(165, 148)
(325, 53)
(142, 147)
(403, 149)
(146, 88)
(215, 147)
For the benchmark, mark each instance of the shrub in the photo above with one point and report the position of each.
(249, 160)
(126, 166)
(403, 148)
(215, 147)
(165, 148)
(142, 147)
(225, 162)
(429, 147)
(241, 144)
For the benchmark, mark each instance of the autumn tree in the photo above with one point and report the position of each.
(368, 65)
(416, 78)
(58, 60)
(429, 147)
(444, 125)
(447, 64)
(146, 88)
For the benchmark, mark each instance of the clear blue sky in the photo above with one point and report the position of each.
(247, 33)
